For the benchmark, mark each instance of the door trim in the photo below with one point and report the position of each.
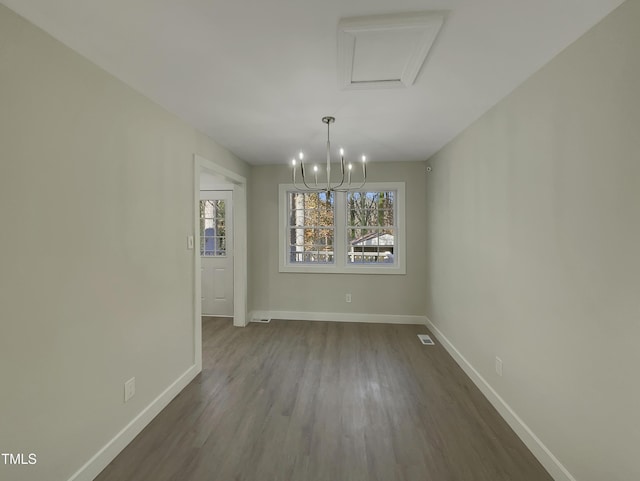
(239, 204)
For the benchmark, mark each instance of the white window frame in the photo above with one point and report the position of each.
(340, 265)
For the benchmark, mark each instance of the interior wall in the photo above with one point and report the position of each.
(96, 283)
(271, 290)
(532, 250)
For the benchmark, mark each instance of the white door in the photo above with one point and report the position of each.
(216, 251)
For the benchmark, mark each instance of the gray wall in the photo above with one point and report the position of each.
(96, 283)
(533, 235)
(271, 290)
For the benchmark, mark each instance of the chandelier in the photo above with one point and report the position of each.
(325, 185)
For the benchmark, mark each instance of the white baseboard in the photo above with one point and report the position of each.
(256, 316)
(555, 468)
(102, 458)
(338, 317)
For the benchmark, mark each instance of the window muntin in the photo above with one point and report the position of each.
(310, 227)
(213, 239)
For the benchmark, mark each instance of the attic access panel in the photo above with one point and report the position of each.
(385, 51)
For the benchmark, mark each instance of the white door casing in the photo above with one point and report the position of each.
(216, 251)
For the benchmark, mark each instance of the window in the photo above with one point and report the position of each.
(213, 240)
(311, 228)
(354, 232)
(371, 230)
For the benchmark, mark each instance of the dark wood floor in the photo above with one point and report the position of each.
(318, 401)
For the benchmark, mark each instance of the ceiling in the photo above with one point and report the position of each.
(258, 75)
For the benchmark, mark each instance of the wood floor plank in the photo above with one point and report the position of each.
(319, 401)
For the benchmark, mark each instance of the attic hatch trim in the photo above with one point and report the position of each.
(428, 24)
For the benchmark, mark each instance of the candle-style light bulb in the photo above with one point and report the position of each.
(341, 152)
(364, 159)
(315, 168)
(350, 166)
(293, 162)
(301, 156)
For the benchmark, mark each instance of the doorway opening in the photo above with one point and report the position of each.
(220, 254)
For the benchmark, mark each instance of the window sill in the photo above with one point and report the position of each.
(308, 269)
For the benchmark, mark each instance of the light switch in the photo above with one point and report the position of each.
(190, 242)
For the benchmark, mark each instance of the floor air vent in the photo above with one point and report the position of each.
(426, 339)
(262, 320)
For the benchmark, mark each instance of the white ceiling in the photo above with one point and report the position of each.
(258, 75)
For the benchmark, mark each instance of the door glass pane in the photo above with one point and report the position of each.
(212, 228)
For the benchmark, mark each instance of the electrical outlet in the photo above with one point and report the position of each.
(498, 366)
(347, 297)
(129, 389)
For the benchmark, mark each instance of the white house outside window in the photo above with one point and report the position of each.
(355, 232)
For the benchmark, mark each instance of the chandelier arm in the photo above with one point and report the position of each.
(295, 185)
(364, 181)
(342, 169)
(307, 189)
(304, 181)
(364, 175)
(361, 185)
